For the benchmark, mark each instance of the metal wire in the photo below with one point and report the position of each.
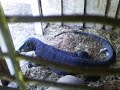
(48, 83)
(6, 35)
(67, 68)
(78, 18)
(17, 57)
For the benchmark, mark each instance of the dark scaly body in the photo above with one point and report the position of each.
(53, 54)
(110, 52)
(50, 53)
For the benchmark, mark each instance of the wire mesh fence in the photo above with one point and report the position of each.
(15, 58)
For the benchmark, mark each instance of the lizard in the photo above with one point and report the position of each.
(80, 58)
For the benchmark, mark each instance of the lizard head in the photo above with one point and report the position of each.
(27, 46)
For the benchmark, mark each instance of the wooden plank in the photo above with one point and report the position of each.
(107, 10)
(73, 7)
(36, 12)
(51, 7)
(96, 7)
(117, 14)
(112, 11)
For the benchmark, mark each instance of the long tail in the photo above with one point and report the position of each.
(111, 57)
(52, 53)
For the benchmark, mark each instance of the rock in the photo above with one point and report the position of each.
(69, 79)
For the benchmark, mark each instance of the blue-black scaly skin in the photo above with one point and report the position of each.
(64, 57)
(111, 54)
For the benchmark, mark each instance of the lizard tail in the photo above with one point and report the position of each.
(110, 58)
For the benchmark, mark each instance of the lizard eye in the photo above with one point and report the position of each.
(24, 48)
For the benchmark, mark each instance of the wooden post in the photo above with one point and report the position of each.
(95, 7)
(73, 7)
(36, 12)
